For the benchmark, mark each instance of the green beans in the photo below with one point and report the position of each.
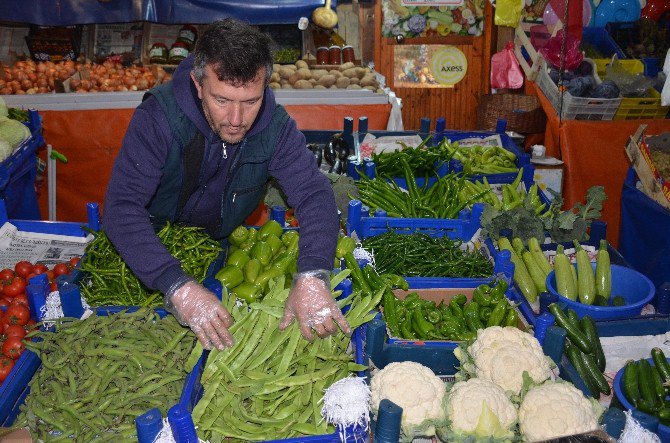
(98, 374)
(420, 255)
(270, 384)
(108, 280)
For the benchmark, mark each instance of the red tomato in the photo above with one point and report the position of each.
(17, 315)
(39, 269)
(53, 286)
(13, 347)
(15, 287)
(15, 331)
(6, 365)
(6, 274)
(31, 275)
(21, 299)
(23, 268)
(4, 302)
(50, 275)
(74, 261)
(61, 269)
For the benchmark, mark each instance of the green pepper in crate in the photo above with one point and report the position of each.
(252, 269)
(230, 276)
(498, 291)
(265, 276)
(344, 246)
(461, 299)
(421, 326)
(262, 252)
(512, 318)
(484, 314)
(471, 315)
(288, 237)
(456, 309)
(433, 315)
(397, 281)
(390, 312)
(247, 246)
(249, 292)
(274, 243)
(498, 314)
(270, 227)
(238, 258)
(406, 329)
(238, 236)
(450, 328)
(482, 295)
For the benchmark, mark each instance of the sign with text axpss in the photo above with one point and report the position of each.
(449, 65)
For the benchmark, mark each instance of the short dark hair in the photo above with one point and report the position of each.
(235, 50)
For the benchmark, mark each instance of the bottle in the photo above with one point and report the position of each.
(548, 171)
(158, 53)
(178, 52)
(348, 54)
(188, 35)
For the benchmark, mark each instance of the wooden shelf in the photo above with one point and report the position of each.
(446, 40)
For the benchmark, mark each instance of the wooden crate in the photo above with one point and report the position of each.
(652, 183)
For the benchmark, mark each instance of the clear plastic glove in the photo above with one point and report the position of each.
(196, 307)
(312, 304)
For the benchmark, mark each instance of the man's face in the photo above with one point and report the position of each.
(230, 108)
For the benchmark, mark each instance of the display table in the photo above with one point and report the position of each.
(593, 152)
(89, 128)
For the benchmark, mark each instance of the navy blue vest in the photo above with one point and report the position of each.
(247, 176)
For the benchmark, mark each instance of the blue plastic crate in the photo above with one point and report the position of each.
(17, 174)
(193, 392)
(626, 34)
(601, 41)
(16, 387)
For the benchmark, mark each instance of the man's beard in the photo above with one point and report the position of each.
(224, 137)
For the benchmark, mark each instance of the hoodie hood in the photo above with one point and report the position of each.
(187, 98)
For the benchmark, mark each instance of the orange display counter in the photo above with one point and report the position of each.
(91, 139)
(593, 152)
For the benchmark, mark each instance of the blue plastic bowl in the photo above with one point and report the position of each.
(634, 287)
(663, 431)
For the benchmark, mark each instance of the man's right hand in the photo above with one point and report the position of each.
(196, 307)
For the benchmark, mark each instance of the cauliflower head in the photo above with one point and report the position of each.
(413, 387)
(501, 355)
(553, 410)
(479, 407)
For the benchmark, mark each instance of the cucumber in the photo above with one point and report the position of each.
(631, 387)
(658, 384)
(577, 360)
(564, 283)
(575, 335)
(573, 317)
(596, 375)
(661, 363)
(646, 382)
(588, 327)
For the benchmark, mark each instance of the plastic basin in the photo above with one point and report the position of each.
(633, 286)
(663, 431)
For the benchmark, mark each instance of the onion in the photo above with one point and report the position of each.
(74, 83)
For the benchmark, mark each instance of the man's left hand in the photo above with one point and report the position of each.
(311, 303)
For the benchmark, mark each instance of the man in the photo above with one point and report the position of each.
(199, 151)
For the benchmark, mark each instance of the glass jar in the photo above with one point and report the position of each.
(188, 34)
(348, 54)
(322, 55)
(158, 53)
(335, 55)
(178, 52)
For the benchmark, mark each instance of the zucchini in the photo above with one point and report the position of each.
(664, 415)
(661, 363)
(521, 275)
(539, 279)
(603, 271)
(562, 274)
(518, 246)
(588, 327)
(538, 256)
(575, 335)
(631, 387)
(577, 360)
(586, 281)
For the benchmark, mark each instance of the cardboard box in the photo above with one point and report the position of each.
(655, 186)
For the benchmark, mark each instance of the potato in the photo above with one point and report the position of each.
(286, 86)
(276, 67)
(319, 87)
(336, 73)
(354, 81)
(275, 77)
(361, 72)
(371, 88)
(286, 72)
(351, 73)
(342, 82)
(312, 81)
(302, 84)
(354, 87)
(347, 65)
(327, 80)
(379, 91)
(301, 64)
(333, 87)
(369, 80)
(304, 73)
(274, 85)
(318, 73)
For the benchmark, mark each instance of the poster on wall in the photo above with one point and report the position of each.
(428, 66)
(432, 18)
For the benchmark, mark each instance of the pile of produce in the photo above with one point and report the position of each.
(511, 196)
(255, 257)
(301, 76)
(583, 349)
(29, 77)
(481, 159)
(98, 374)
(457, 319)
(269, 385)
(582, 83)
(107, 280)
(420, 255)
(12, 130)
(645, 385)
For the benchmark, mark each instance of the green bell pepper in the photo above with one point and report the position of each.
(270, 227)
(238, 258)
(252, 269)
(238, 236)
(230, 276)
(274, 243)
(249, 292)
(262, 252)
(265, 276)
(344, 246)
(247, 246)
(288, 237)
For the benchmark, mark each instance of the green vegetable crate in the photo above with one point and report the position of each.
(436, 354)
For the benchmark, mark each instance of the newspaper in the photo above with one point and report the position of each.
(491, 140)
(48, 249)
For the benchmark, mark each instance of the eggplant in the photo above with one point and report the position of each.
(338, 148)
(317, 150)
